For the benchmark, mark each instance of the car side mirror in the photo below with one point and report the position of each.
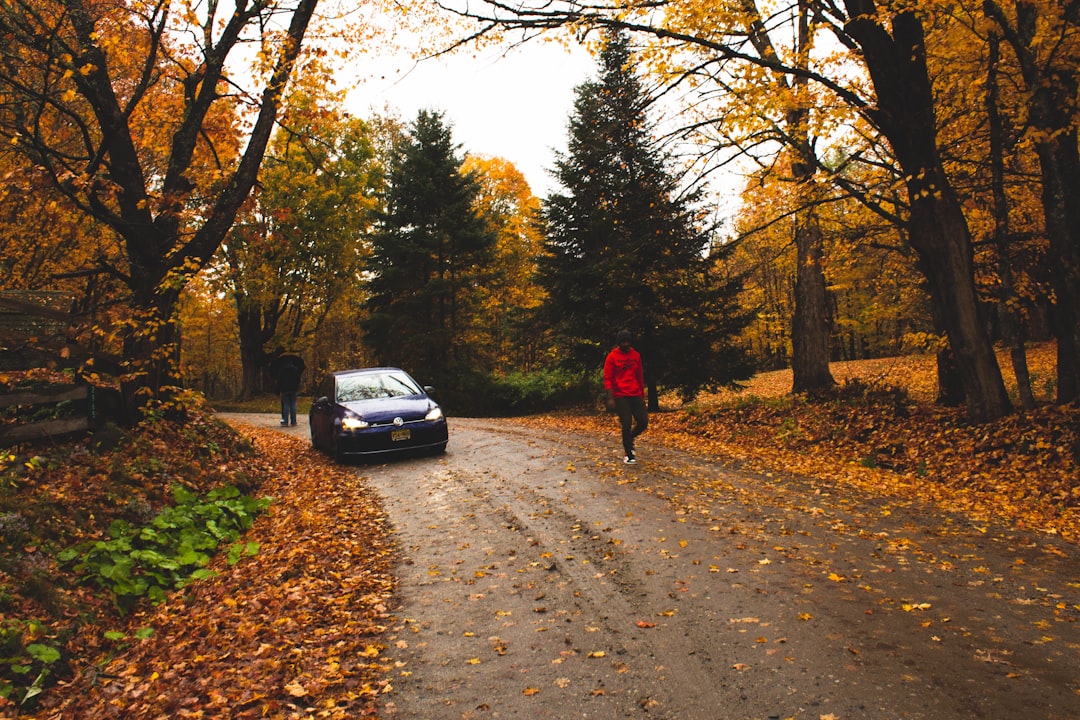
(322, 400)
(429, 389)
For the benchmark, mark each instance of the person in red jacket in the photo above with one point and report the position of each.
(624, 379)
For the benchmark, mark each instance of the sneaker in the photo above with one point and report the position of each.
(630, 460)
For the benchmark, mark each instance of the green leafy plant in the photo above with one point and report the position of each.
(26, 662)
(172, 550)
(789, 429)
(122, 640)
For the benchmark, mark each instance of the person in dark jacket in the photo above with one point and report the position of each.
(287, 369)
(624, 379)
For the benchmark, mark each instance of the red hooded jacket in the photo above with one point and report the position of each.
(623, 374)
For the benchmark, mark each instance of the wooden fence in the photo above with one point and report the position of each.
(34, 329)
(54, 411)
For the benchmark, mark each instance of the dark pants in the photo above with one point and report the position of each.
(634, 419)
(288, 407)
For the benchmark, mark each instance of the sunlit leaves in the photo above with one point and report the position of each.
(293, 258)
(137, 137)
(510, 294)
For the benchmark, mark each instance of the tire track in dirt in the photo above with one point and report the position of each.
(530, 557)
(594, 563)
(551, 627)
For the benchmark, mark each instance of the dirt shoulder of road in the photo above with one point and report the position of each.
(1022, 470)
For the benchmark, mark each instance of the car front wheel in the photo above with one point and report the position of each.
(338, 453)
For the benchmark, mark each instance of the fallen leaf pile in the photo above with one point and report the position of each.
(916, 374)
(293, 633)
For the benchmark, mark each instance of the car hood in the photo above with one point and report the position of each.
(385, 409)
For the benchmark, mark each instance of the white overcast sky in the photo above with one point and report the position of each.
(513, 104)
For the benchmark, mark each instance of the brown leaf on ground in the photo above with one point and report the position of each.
(295, 627)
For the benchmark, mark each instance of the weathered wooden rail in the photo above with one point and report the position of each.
(49, 412)
(36, 331)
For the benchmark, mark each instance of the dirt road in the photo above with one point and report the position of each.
(542, 578)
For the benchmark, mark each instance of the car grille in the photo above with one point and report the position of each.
(390, 422)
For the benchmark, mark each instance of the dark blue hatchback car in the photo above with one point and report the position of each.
(372, 411)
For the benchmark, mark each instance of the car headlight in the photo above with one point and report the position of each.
(353, 422)
(434, 413)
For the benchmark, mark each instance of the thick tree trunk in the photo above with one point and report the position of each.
(1060, 167)
(150, 368)
(896, 60)
(940, 236)
(950, 388)
(1012, 325)
(652, 397)
(645, 345)
(255, 330)
(812, 322)
(1052, 83)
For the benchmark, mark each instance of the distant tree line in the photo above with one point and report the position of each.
(896, 205)
(456, 272)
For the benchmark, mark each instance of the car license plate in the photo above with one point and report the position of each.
(397, 435)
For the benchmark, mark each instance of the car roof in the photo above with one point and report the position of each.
(359, 371)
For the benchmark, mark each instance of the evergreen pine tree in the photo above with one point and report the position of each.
(627, 250)
(428, 255)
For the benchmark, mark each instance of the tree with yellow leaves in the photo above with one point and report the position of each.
(875, 68)
(506, 327)
(298, 244)
(130, 110)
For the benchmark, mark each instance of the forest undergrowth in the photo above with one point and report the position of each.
(259, 638)
(879, 432)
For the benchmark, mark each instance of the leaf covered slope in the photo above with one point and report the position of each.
(264, 637)
(880, 431)
(302, 621)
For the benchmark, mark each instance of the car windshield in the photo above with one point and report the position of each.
(370, 386)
